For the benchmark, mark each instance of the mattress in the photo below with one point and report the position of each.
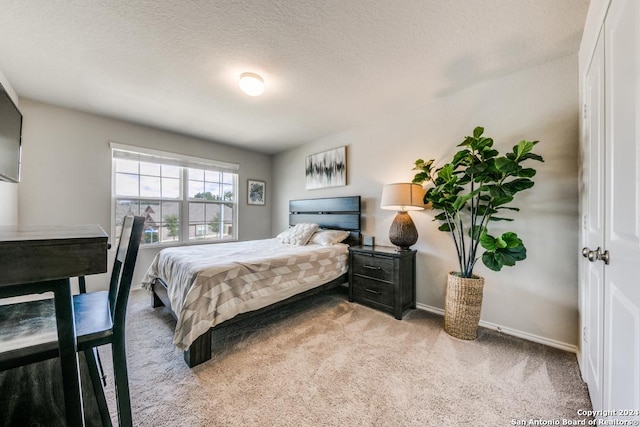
(208, 284)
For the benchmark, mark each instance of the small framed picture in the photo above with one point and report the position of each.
(256, 192)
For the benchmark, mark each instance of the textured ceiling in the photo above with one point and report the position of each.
(328, 65)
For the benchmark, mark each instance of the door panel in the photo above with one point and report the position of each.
(623, 375)
(593, 337)
(622, 201)
(592, 273)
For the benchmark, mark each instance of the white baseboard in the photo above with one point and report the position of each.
(513, 332)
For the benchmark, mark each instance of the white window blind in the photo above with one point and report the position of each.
(141, 154)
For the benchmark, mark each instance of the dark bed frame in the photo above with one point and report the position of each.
(337, 213)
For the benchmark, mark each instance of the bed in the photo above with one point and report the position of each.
(206, 286)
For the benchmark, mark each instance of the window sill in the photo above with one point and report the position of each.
(189, 243)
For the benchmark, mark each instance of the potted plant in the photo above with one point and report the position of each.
(470, 192)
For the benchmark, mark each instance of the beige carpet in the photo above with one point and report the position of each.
(327, 362)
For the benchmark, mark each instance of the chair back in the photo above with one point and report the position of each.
(123, 266)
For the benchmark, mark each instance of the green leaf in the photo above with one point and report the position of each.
(493, 260)
(478, 131)
(527, 173)
(477, 169)
(462, 200)
(507, 259)
(446, 173)
(420, 178)
(442, 216)
(488, 242)
(500, 243)
(445, 227)
(481, 209)
(497, 259)
(467, 142)
(496, 191)
(477, 232)
(487, 144)
(487, 154)
(502, 200)
(463, 180)
(506, 166)
(522, 148)
(519, 253)
(497, 218)
(517, 185)
(511, 239)
(459, 156)
(482, 144)
(533, 157)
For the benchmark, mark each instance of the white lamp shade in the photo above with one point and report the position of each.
(403, 196)
(251, 84)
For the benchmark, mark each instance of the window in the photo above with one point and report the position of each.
(182, 198)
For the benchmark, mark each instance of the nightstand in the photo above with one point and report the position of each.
(383, 278)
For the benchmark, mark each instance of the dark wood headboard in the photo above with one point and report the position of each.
(336, 213)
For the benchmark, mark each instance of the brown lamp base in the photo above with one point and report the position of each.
(403, 232)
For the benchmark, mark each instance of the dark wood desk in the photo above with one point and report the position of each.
(38, 259)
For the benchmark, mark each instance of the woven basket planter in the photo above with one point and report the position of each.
(462, 306)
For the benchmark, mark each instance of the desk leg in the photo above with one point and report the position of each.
(68, 353)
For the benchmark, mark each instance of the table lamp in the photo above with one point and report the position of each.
(402, 197)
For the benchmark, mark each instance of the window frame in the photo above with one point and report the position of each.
(185, 162)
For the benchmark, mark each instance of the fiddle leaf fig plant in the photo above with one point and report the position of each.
(474, 189)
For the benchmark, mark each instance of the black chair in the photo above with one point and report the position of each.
(27, 329)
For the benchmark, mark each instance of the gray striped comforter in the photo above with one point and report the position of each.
(209, 284)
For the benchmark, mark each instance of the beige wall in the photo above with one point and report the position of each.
(8, 203)
(8, 190)
(538, 297)
(66, 173)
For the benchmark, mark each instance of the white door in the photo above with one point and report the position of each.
(592, 189)
(622, 207)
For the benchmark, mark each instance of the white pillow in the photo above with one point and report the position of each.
(328, 237)
(299, 234)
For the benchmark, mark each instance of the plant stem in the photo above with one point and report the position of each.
(472, 231)
(464, 246)
(485, 218)
(451, 223)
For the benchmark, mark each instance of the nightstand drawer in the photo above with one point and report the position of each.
(373, 290)
(373, 266)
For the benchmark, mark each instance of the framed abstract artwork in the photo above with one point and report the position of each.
(326, 169)
(256, 192)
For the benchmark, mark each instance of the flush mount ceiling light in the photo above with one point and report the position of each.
(251, 84)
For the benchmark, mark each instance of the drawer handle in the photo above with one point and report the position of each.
(373, 291)
(372, 267)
